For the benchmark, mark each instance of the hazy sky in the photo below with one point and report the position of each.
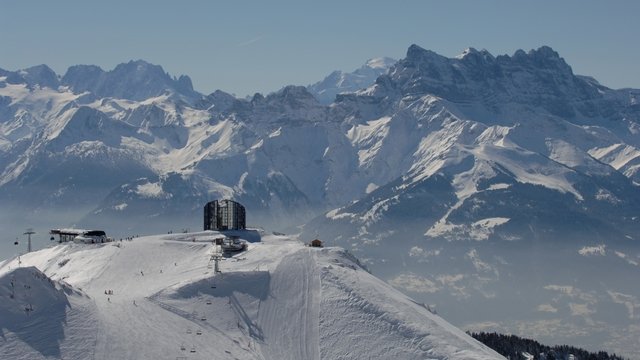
(244, 47)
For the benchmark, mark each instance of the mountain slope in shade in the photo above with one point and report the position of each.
(158, 297)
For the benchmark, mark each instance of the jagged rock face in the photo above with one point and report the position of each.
(540, 78)
(135, 80)
(42, 76)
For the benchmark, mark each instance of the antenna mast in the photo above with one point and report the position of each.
(29, 232)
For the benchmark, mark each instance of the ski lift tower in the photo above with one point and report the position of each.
(29, 232)
(216, 256)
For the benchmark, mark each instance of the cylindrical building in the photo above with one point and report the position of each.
(224, 215)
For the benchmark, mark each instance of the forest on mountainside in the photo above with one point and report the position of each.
(514, 347)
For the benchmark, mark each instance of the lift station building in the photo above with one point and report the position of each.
(224, 215)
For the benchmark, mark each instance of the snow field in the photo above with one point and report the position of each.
(157, 297)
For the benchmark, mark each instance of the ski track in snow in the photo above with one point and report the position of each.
(296, 335)
(279, 300)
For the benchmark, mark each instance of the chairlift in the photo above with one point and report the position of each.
(208, 302)
(199, 332)
(193, 350)
(203, 318)
(182, 347)
(189, 331)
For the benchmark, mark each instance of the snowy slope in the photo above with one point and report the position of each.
(278, 300)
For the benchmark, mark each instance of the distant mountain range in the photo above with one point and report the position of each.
(505, 183)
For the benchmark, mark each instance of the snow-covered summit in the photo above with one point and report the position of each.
(339, 82)
(383, 63)
(158, 297)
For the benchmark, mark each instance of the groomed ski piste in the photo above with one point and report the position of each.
(158, 297)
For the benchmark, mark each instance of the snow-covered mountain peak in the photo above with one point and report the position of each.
(159, 297)
(466, 52)
(340, 82)
(383, 63)
(470, 55)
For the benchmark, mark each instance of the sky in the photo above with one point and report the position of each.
(243, 47)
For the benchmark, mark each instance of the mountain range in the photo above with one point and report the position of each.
(502, 183)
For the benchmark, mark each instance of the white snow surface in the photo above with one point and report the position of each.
(278, 300)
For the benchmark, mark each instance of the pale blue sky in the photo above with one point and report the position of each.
(244, 47)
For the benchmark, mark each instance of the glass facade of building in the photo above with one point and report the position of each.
(224, 215)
